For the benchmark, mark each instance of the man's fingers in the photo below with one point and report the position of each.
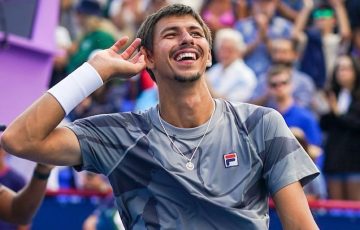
(136, 58)
(119, 44)
(131, 49)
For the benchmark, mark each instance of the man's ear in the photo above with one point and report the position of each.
(148, 58)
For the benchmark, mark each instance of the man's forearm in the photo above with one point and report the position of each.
(32, 127)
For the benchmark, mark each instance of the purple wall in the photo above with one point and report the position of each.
(25, 66)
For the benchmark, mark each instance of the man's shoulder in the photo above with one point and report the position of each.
(113, 120)
(249, 108)
(251, 114)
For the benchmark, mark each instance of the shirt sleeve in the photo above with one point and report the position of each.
(100, 143)
(285, 161)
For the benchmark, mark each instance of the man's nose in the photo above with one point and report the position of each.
(187, 38)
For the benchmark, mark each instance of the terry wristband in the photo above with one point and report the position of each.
(76, 87)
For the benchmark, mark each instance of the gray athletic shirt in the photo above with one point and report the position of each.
(247, 154)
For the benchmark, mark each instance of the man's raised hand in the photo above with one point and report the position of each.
(110, 62)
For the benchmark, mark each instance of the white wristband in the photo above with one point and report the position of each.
(76, 87)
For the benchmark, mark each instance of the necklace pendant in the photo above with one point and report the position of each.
(189, 166)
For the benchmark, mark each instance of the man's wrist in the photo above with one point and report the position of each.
(76, 87)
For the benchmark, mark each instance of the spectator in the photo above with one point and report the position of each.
(231, 78)
(342, 125)
(93, 37)
(263, 25)
(280, 88)
(283, 51)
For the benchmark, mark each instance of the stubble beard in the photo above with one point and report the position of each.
(184, 79)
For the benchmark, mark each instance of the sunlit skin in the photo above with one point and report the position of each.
(174, 35)
(183, 92)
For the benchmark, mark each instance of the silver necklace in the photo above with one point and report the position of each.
(189, 165)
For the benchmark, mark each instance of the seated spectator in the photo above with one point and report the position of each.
(230, 78)
(257, 29)
(284, 51)
(94, 35)
(280, 89)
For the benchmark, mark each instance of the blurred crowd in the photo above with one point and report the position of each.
(300, 57)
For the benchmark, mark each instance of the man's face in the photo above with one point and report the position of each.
(180, 49)
(282, 52)
(227, 52)
(280, 86)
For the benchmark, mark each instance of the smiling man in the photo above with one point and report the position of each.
(191, 162)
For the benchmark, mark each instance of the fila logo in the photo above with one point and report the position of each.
(230, 160)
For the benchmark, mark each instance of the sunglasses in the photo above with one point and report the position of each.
(278, 83)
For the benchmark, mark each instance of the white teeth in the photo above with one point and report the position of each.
(186, 55)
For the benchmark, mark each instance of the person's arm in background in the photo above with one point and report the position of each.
(287, 12)
(302, 19)
(293, 209)
(342, 19)
(262, 22)
(22, 206)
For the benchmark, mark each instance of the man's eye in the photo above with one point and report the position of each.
(169, 35)
(196, 35)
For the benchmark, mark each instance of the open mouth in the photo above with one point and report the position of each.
(188, 56)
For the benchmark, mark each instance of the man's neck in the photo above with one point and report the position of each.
(186, 105)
